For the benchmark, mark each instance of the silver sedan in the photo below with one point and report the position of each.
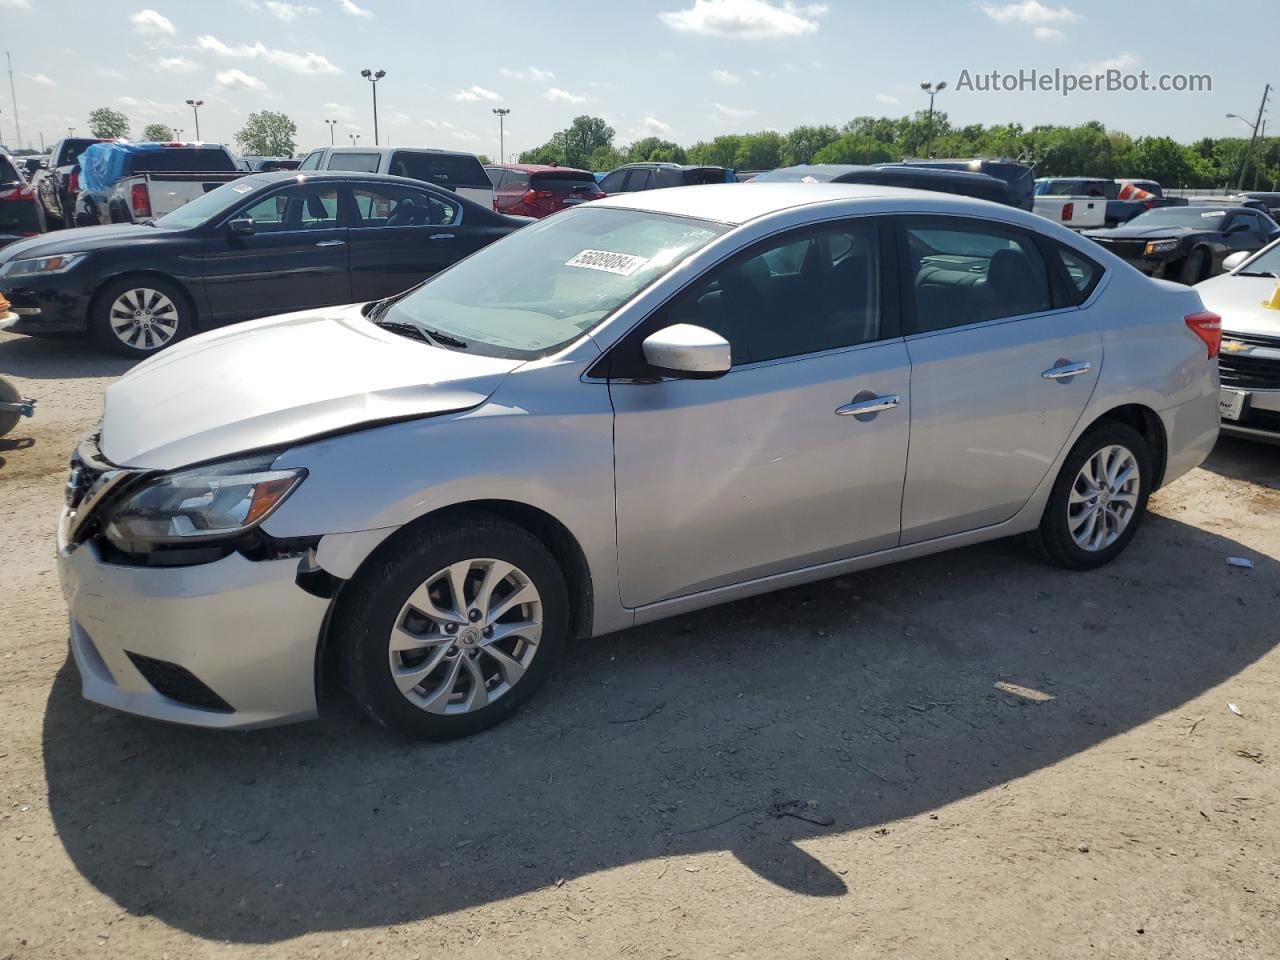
(634, 409)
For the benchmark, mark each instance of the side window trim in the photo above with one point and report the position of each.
(891, 300)
(910, 322)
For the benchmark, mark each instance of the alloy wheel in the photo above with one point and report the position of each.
(465, 636)
(1103, 498)
(144, 319)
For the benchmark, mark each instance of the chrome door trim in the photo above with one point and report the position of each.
(873, 405)
(1067, 371)
(330, 243)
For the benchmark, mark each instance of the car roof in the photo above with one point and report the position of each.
(401, 149)
(664, 165)
(736, 203)
(301, 176)
(535, 168)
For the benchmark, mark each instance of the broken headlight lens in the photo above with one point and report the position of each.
(194, 506)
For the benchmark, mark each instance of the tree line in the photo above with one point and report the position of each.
(264, 134)
(1087, 150)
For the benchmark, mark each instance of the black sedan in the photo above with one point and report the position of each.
(261, 245)
(1187, 243)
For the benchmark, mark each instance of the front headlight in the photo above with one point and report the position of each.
(41, 266)
(1161, 246)
(200, 505)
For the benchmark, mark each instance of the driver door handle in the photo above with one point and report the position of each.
(330, 243)
(874, 405)
(1066, 371)
(441, 236)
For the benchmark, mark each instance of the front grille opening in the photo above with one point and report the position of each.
(178, 684)
(1258, 373)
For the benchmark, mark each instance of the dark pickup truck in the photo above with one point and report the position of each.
(57, 185)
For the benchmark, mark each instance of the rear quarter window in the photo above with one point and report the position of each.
(357, 162)
(443, 170)
(1082, 274)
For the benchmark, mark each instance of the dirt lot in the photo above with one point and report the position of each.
(1004, 760)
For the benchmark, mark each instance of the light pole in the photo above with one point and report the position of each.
(71, 131)
(354, 137)
(195, 106)
(177, 133)
(502, 116)
(932, 90)
(331, 124)
(373, 78)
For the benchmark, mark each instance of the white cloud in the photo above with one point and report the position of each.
(110, 72)
(16, 4)
(287, 12)
(308, 62)
(349, 6)
(153, 23)
(239, 80)
(339, 111)
(887, 98)
(1030, 12)
(396, 116)
(148, 107)
(177, 65)
(564, 96)
(736, 113)
(1048, 34)
(725, 77)
(1121, 61)
(465, 135)
(651, 126)
(749, 19)
(533, 73)
(438, 124)
(476, 93)
(43, 79)
(541, 75)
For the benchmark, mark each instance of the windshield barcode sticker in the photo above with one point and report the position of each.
(623, 264)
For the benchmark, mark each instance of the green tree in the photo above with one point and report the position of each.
(574, 146)
(105, 122)
(802, 143)
(856, 148)
(603, 159)
(268, 134)
(157, 132)
(759, 151)
(720, 152)
(654, 149)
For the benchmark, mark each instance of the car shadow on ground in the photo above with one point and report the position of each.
(1246, 460)
(867, 699)
(39, 358)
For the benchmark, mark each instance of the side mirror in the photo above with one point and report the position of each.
(1235, 260)
(688, 352)
(241, 227)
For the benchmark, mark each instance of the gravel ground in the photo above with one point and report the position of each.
(967, 755)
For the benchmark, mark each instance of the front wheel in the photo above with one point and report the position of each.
(1098, 500)
(1196, 267)
(139, 316)
(448, 633)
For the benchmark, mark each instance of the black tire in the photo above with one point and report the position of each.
(150, 339)
(8, 394)
(1053, 541)
(1196, 267)
(372, 603)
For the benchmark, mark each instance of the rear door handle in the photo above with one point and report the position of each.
(874, 405)
(330, 243)
(1065, 371)
(441, 236)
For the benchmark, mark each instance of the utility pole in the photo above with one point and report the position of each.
(331, 124)
(1248, 151)
(502, 116)
(932, 90)
(1262, 146)
(195, 106)
(42, 141)
(17, 124)
(373, 79)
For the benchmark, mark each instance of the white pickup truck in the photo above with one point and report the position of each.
(1076, 202)
(142, 181)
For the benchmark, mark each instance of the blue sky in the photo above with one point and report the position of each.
(682, 69)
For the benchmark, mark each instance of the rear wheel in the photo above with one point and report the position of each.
(449, 633)
(8, 394)
(1098, 500)
(139, 316)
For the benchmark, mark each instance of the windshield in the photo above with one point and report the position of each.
(209, 205)
(1267, 262)
(1201, 218)
(547, 283)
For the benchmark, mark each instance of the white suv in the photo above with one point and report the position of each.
(459, 172)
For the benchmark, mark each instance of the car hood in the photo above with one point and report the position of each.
(1132, 232)
(1238, 300)
(80, 240)
(280, 380)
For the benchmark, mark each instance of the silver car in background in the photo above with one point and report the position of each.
(641, 407)
(1248, 300)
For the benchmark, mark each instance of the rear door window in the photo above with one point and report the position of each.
(639, 180)
(972, 272)
(392, 205)
(615, 182)
(311, 206)
(451, 171)
(357, 162)
(179, 160)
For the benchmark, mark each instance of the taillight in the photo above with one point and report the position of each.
(1208, 327)
(140, 199)
(73, 181)
(1068, 211)
(1148, 204)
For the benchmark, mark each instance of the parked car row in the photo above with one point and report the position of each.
(637, 407)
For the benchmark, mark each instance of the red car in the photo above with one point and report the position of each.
(19, 217)
(534, 190)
